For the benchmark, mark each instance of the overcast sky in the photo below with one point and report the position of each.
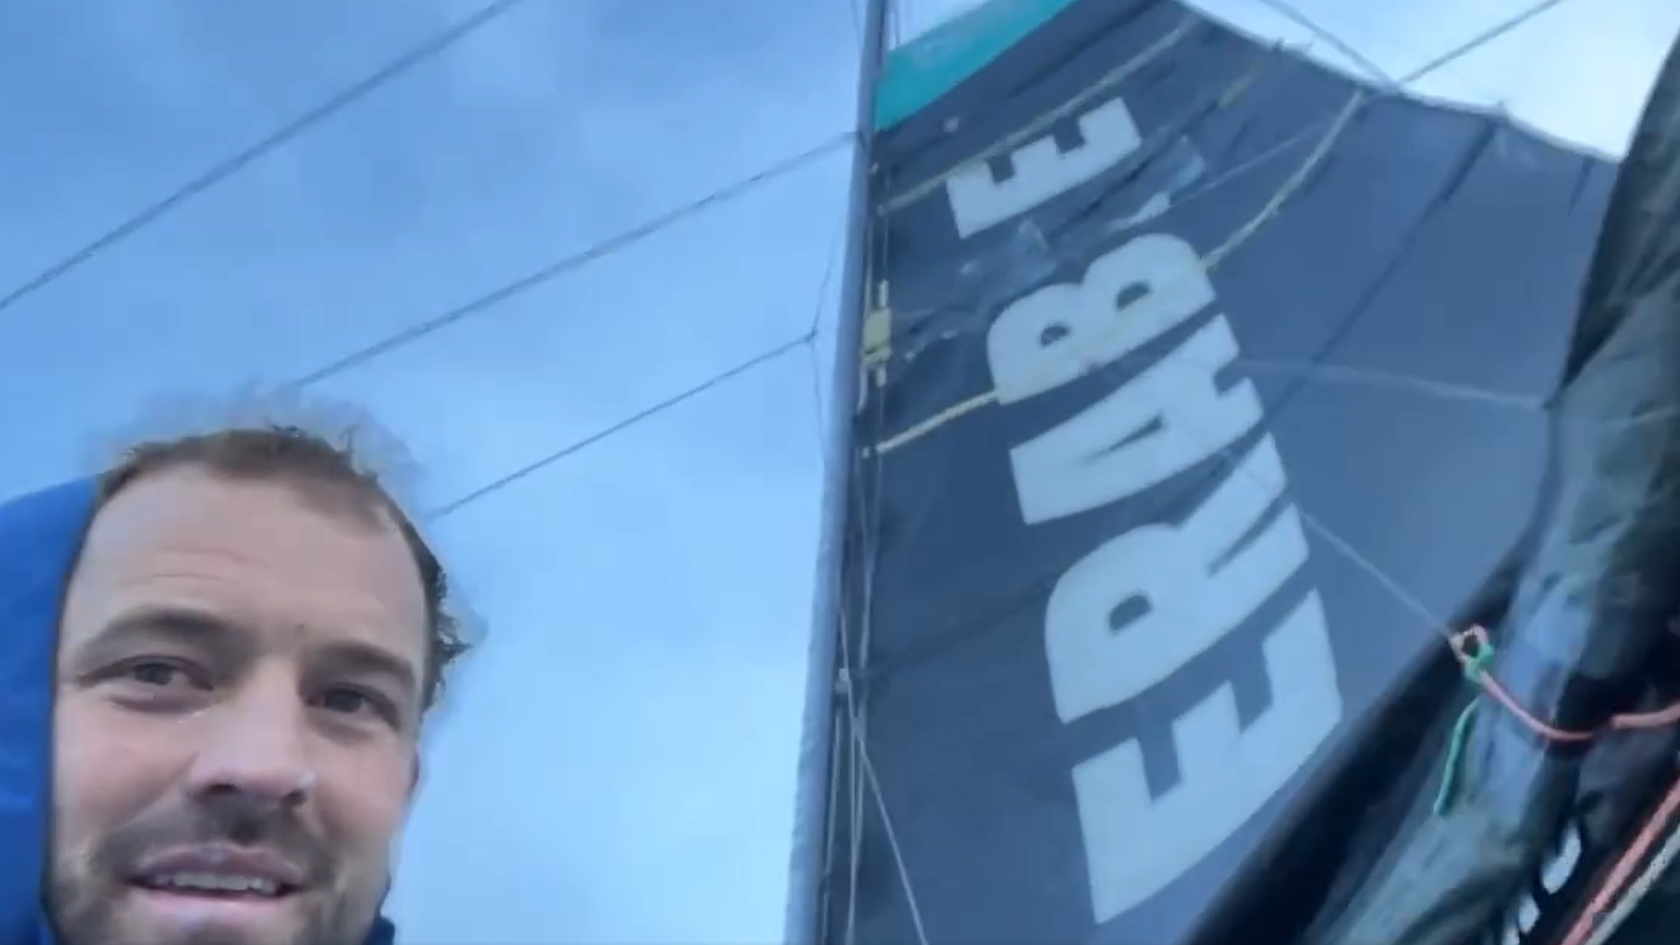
(617, 762)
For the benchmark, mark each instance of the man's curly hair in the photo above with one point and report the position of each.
(323, 472)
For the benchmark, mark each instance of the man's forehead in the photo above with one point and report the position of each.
(255, 549)
(181, 495)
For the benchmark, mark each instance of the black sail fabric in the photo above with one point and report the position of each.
(1205, 388)
(1538, 824)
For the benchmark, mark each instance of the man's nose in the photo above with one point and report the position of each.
(256, 743)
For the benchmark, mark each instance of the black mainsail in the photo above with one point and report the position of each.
(1204, 390)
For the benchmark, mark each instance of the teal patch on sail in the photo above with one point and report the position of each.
(917, 73)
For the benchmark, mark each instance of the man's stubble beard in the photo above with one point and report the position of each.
(82, 898)
(85, 912)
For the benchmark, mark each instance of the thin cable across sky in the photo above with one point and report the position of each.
(442, 41)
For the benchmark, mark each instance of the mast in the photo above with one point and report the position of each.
(806, 875)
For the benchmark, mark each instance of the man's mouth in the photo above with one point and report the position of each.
(217, 876)
(217, 885)
(235, 906)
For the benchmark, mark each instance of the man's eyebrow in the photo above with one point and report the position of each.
(228, 640)
(362, 659)
(173, 624)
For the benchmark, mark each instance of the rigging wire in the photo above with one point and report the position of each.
(573, 261)
(1293, 14)
(1520, 18)
(864, 778)
(392, 70)
(820, 421)
(865, 494)
(807, 338)
(1409, 46)
(575, 446)
(234, 163)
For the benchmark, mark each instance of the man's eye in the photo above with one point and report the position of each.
(356, 702)
(347, 701)
(156, 673)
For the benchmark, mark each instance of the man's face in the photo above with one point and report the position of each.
(236, 718)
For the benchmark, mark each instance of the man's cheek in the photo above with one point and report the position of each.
(82, 799)
(364, 806)
(109, 763)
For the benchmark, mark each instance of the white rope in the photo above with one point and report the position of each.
(863, 768)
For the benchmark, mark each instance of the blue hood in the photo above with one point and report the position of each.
(39, 539)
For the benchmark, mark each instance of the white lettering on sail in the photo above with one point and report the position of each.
(1196, 584)
(1556, 869)
(1136, 843)
(1042, 170)
(1167, 419)
(1561, 864)
(1060, 332)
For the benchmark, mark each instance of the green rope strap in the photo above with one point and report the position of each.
(1474, 669)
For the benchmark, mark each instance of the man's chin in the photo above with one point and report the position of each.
(184, 918)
